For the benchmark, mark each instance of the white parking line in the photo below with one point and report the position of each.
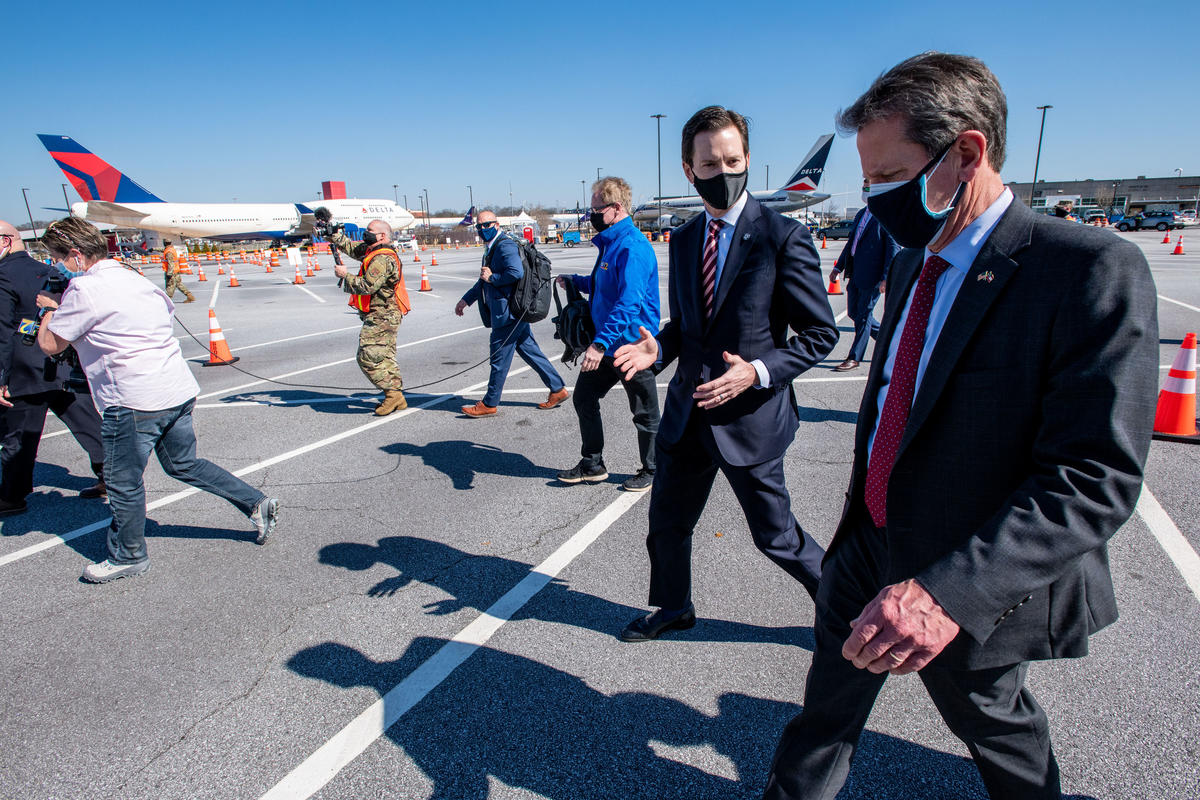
(1176, 302)
(1172, 541)
(345, 746)
(212, 301)
(310, 294)
(54, 541)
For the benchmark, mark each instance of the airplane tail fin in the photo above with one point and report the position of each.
(469, 219)
(93, 177)
(808, 174)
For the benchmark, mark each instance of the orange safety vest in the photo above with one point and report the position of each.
(362, 302)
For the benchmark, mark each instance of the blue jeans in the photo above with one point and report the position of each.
(129, 436)
(516, 338)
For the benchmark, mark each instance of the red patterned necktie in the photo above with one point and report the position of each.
(709, 266)
(896, 406)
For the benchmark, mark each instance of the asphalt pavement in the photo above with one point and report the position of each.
(436, 616)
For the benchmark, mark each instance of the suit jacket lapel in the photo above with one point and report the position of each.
(984, 282)
(740, 244)
(905, 271)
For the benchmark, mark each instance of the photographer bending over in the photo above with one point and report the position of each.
(120, 325)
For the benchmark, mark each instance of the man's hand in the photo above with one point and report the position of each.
(740, 376)
(900, 631)
(634, 357)
(561, 281)
(459, 306)
(833, 274)
(591, 358)
(46, 301)
(4, 395)
(485, 275)
(883, 287)
(340, 270)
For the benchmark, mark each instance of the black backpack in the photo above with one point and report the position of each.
(530, 299)
(573, 325)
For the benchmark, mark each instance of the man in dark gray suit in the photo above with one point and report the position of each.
(865, 259)
(1000, 443)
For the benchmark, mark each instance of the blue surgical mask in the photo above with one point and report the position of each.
(487, 233)
(901, 207)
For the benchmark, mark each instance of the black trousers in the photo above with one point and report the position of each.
(21, 433)
(990, 709)
(681, 487)
(643, 404)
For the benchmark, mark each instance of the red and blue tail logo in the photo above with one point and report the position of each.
(808, 174)
(93, 177)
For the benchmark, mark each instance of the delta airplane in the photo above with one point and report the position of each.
(799, 191)
(110, 196)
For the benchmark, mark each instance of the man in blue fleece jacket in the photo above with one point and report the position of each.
(623, 289)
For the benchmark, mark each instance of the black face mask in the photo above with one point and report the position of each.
(597, 220)
(903, 212)
(721, 191)
(369, 238)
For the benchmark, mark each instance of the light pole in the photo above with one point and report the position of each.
(428, 211)
(396, 192)
(66, 198)
(768, 186)
(32, 227)
(510, 205)
(405, 201)
(658, 118)
(1038, 159)
(472, 191)
(597, 174)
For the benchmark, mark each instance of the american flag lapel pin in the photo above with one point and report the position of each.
(988, 276)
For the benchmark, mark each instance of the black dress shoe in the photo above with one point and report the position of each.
(651, 626)
(11, 507)
(846, 365)
(93, 492)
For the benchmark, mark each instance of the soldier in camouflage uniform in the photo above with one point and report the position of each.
(172, 278)
(381, 284)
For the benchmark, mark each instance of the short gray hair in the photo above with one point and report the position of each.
(615, 190)
(940, 95)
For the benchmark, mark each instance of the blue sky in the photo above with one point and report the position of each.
(261, 101)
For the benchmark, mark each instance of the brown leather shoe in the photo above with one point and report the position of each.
(846, 365)
(555, 398)
(95, 491)
(480, 410)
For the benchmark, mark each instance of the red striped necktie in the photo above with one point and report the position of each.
(708, 270)
(894, 417)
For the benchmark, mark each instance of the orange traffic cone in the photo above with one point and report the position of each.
(823, 245)
(416, 257)
(220, 268)
(299, 278)
(835, 285)
(433, 262)
(308, 270)
(425, 287)
(1178, 251)
(274, 259)
(1166, 238)
(200, 276)
(218, 348)
(260, 260)
(233, 281)
(1175, 417)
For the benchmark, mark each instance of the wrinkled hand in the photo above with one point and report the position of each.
(485, 274)
(740, 376)
(46, 301)
(340, 270)
(900, 631)
(459, 306)
(591, 358)
(634, 357)
(833, 274)
(4, 395)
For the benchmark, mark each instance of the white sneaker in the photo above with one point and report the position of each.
(264, 517)
(108, 570)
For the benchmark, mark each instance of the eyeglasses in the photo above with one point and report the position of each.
(490, 224)
(600, 209)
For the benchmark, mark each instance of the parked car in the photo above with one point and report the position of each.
(1158, 220)
(838, 230)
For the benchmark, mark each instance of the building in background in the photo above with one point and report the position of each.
(1115, 195)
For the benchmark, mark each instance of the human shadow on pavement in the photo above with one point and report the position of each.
(477, 581)
(810, 414)
(461, 461)
(333, 402)
(537, 728)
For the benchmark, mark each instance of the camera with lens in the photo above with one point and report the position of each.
(56, 284)
(325, 226)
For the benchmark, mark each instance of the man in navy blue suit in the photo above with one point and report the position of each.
(741, 275)
(865, 260)
(25, 394)
(500, 272)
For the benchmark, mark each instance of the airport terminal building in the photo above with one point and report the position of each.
(1121, 195)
